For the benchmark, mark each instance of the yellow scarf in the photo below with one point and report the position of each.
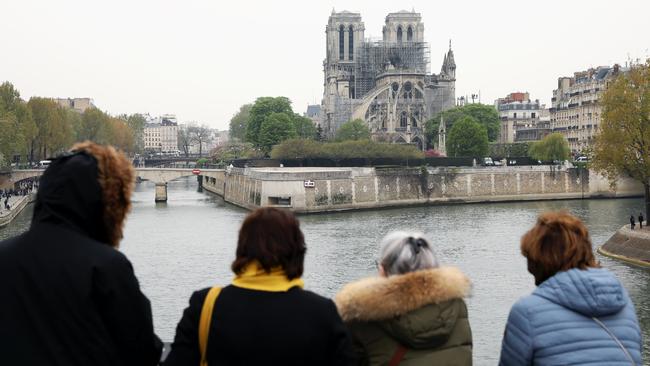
(255, 278)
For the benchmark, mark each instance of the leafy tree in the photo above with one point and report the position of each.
(484, 114)
(552, 147)
(365, 149)
(136, 123)
(55, 133)
(304, 127)
(297, 149)
(93, 121)
(232, 151)
(353, 130)
(260, 111)
(622, 147)
(467, 138)
(239, 122)
(9, 97)
(276, 128)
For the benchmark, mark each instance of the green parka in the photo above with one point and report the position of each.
(421, 311)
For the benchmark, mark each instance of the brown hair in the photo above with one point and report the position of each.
(116, 178)
(273, 238)
(558, 242)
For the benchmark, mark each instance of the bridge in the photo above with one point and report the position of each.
(159, 176)
(15, 176)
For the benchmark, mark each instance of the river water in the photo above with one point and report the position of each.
(189, 242)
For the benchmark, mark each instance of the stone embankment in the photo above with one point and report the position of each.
(632, 246)
(307, 190)
(18, 204)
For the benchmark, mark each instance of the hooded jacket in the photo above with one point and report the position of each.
(554, 325)
(422, 311)
(68, 297)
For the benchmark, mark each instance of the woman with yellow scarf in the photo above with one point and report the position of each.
(264, 317)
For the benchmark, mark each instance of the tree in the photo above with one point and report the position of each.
(467, 138)
(353, 131)
(9, 97)
(239, 121)
(486, 115)
(232, 151)
(304, 127)
(260, 111)
(184, 139)
(622, 147)
(553, 147)
(276, 128)
(55, 133)
(93, 120)
(136, 123)
(200, 135)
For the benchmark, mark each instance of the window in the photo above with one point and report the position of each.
(409, 34)
(403, 120)
(399, 34)
(351, 44)
(341, 42)
(532, 115)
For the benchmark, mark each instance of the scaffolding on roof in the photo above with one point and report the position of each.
(376, 57)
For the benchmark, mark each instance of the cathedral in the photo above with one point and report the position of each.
(387, 83)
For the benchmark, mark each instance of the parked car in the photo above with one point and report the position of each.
(488, 162)
(582, 159)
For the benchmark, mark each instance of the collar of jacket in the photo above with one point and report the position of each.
(379, 298)
(254, 277)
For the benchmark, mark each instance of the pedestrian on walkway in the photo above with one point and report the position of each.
(640, 221)
(632, 224)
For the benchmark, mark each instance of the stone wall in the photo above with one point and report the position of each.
(334, 189)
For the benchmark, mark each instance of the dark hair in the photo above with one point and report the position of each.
(273, 238)
(558, 242)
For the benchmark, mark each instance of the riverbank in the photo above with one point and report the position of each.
(632, 246)
(319, 190)
(17, 206)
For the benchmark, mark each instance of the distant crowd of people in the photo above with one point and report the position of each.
(23, 188)
(69, 297)
(633, 223)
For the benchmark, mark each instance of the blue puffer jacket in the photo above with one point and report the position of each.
(554, 325)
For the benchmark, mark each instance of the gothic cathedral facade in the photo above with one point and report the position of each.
(386, 83)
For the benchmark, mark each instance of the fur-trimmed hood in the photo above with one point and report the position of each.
(88, 191)
(380, 298)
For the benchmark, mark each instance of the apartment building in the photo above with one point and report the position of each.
(518, 112)
(161, 134)
(575, 110)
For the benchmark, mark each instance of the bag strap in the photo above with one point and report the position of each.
(205, 321)
(398, 355)
(627, 354)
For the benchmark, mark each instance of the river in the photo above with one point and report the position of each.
(189, 242)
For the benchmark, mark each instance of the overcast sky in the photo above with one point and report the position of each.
(201, 60)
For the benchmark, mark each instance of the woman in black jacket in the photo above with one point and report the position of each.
(68, 297)
(264, 317)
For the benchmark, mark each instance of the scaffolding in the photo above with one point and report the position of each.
(376, 57)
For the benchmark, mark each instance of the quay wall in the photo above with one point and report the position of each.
(632, 246)
(7, 217)
(307, 190)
